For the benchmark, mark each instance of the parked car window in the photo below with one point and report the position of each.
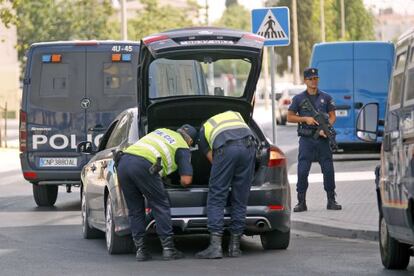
(397, 81)
(119, 134)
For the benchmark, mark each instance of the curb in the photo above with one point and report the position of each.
(337, 232)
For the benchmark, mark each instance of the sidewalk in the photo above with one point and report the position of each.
(359, 215)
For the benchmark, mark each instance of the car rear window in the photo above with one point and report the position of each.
(222, 77)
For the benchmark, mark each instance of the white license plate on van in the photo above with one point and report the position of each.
(58, 162)
(341, 113)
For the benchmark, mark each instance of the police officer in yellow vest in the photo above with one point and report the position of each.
(138, 179)
(227, 141)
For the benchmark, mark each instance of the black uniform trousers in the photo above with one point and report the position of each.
(137, 184)
(233, 166)
(315, 150)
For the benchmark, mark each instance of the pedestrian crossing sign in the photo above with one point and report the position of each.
(272, 24)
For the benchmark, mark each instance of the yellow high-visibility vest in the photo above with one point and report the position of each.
(159, 143)
(221, 122)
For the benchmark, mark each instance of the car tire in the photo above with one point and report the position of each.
(275, 239)
(88, 231)
(283, 121)
(394, 255)
(45, 195)
(115, 244)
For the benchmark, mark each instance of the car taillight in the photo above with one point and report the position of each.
(276, 158)
(23, 131)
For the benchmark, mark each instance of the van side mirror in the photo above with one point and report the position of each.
(367, 123)
(85, 147)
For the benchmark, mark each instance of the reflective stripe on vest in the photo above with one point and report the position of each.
(221, 122)
(159, 143)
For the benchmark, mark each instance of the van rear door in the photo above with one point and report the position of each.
(110, 85)
(335, 64)
(372, 70)
(52, 100)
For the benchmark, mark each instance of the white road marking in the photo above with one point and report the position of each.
(339, 177)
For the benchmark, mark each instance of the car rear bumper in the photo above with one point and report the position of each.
(259, 219)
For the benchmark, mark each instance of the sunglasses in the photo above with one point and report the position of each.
(313, 78)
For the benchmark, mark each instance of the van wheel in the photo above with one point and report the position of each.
(88, 232)
(275, 239)
(283, 121)
(45, 195)
(114, 243)
(394, 255)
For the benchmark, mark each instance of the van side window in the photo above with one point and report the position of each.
(54, 80)
(397, 81)
(118, 79)
(409, 84)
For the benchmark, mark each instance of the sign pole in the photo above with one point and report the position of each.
(272, 23)
(272, 87)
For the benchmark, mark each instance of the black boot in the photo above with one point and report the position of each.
(332, 204)
(169, 252)
(234, 245)
(142, 253)
(301, 206)
(214, 250)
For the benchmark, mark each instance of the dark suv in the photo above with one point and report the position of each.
(395, 174)
(195, 73)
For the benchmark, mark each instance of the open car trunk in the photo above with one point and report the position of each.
(173, 113)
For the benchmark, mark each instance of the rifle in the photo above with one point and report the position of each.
(323, 124)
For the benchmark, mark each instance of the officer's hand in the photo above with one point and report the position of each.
(322, 133)
(311, 121)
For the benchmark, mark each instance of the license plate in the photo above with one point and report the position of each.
(58, 162)
(341, 113)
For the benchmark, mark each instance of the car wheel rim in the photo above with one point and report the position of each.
(83, 204)
(383, 234)
(108, 224)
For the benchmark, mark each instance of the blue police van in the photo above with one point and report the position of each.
(354, 73)
(72, 91)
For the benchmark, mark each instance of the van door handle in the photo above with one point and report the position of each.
(97, 128)
(358, 105)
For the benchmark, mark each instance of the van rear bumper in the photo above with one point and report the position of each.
(49, 176)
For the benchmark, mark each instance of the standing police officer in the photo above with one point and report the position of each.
(311, 149)
(227, 141)
(140, 168)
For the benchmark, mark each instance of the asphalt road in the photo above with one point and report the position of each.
(48, 241)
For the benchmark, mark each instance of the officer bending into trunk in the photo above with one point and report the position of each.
(228, 144)
(140, 169)
(310, 149)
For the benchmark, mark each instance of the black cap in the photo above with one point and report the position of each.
(190, 131)
(310, 72)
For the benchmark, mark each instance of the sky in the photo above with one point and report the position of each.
(216, 7)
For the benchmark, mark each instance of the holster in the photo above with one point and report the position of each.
(117, 157)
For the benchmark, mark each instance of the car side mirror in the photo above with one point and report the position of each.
(218, 91)
(367, 123)
(85, 147)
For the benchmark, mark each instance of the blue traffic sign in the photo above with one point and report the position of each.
(273, 25)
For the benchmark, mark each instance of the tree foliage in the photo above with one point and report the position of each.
(358, 21)
(154, 18)
(51, 20)
(235, 16)
(7, 15)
